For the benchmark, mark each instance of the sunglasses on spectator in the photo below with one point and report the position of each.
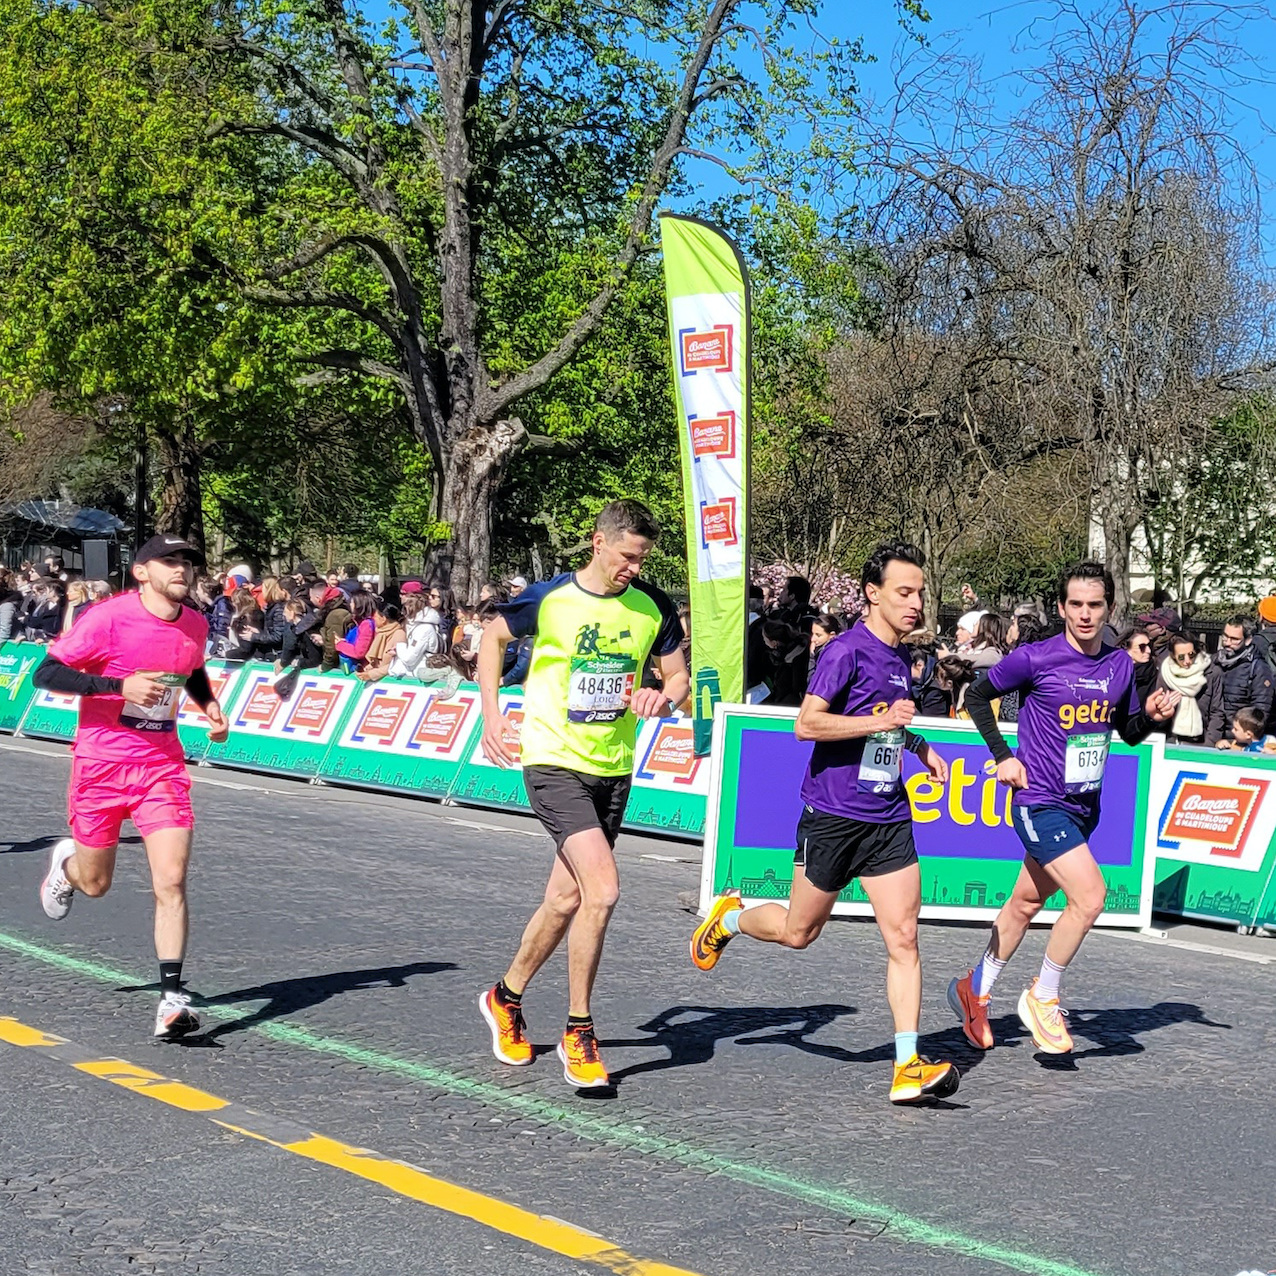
(1140, 646)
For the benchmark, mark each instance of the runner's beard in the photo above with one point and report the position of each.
(176, 591)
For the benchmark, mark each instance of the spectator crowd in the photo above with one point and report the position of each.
(412, 629)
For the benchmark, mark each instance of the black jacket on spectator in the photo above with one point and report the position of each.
(930, 698)
(41, 620)
(1246, 681)
(788, 675)
(270, 641)
(1145, 679)
(296, 646)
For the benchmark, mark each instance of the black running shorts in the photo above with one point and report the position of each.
(834, 849)
(568, 802)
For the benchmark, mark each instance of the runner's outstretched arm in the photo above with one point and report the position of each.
(199, 688)
(53, 675)
(979, 698)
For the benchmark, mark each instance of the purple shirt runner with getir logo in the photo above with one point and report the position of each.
(858, 674)
(1068, 701)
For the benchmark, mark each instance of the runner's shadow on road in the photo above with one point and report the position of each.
(44, 843)
(1116, 1032)
(286, 997)
(690, 1033)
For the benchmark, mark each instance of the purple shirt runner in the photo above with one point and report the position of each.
(858, 674)
(1067, 702)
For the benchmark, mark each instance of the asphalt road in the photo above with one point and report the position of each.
(340, 941)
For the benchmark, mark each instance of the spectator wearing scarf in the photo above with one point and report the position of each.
(1186, 670)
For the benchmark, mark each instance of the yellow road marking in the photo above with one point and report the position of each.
(153, 1085)
(406, 1180)
(18, 1034)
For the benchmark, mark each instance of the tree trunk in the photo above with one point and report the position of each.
(180, 511)
(474, 468)
(1117, 536)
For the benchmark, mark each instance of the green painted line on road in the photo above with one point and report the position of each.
(632, 1138)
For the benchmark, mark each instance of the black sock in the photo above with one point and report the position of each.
(579, 1021)
(170, 976)
(507, 995)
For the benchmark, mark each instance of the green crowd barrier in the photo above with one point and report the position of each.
(289, 736)
(480, 782)
(18, 662)
(404, 737)
(1213, 825)
(671, 784)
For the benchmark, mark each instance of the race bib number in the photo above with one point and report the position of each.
(879, 767)
(161, 716)
(600, 687)
(1084, 762)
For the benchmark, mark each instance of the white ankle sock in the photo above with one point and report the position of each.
(985, 974)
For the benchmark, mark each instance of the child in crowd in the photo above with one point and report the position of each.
(1247, 733)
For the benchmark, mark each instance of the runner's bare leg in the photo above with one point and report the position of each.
(593, 864)
(547, 927)
(897, 899)
(91, 869)
(169, 852)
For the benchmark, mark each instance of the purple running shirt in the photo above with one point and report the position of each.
(858, 674)
(1066, 707)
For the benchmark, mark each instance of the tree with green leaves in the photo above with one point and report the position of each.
(480, 181)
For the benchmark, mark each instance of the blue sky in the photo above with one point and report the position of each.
(999, 36)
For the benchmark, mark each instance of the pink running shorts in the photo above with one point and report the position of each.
(103, 794)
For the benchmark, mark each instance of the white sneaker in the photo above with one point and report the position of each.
(175, 1018)
(56, 891)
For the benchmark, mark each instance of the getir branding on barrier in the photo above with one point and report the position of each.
(970, 854)
(670, 781)
(289, 736)
(482, 781)
(404, 736)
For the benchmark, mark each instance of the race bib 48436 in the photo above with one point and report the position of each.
(600, 687)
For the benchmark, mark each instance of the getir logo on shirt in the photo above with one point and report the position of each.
(1075, 715)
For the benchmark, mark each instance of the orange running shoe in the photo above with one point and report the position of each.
(582, 1068)
(711, 936)
(1044, 1020)
(972, 1011)
(920, 1081)
(509, 1037)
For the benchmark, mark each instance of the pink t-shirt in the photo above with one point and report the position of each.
(114, 639)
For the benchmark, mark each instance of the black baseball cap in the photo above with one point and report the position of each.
(165, 545)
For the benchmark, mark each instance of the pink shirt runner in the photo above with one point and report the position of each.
(114, 639)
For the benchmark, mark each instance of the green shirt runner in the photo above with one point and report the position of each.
(589, 656)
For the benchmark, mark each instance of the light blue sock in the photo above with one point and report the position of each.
(905, 1046)
(731, 922)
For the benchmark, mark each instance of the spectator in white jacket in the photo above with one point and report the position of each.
(424, 637)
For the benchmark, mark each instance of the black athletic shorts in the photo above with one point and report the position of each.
(834, 849)
(568, 802)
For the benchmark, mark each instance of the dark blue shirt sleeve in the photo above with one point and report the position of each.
(522, 613)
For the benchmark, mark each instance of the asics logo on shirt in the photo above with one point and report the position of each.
(1071, 715)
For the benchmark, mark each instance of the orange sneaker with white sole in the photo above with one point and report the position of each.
(578, 1053)
(509, 1031)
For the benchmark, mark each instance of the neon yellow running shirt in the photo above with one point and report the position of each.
(589, 656)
